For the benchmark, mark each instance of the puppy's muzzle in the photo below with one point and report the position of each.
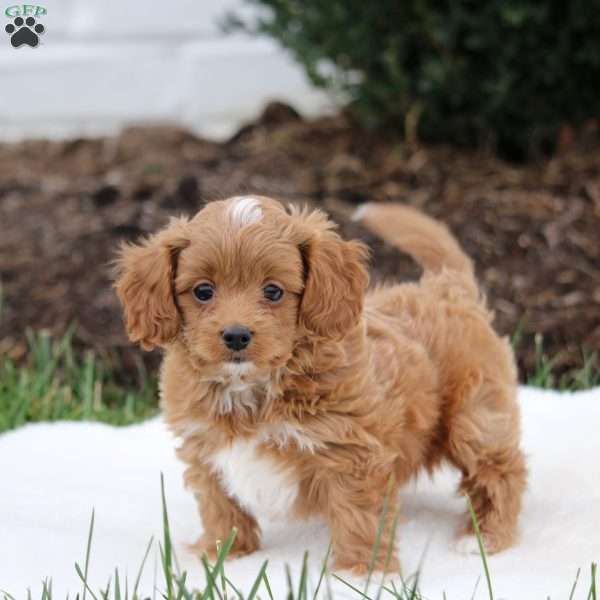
(236, 337)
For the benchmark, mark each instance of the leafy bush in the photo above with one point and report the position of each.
(509, 72)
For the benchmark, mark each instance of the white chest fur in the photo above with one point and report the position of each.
(261, 484)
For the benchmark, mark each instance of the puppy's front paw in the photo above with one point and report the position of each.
(208, 545)
(360, 568)
(204, 546)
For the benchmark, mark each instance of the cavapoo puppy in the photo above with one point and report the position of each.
(296, 391)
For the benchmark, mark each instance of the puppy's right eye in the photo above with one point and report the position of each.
(204, 292)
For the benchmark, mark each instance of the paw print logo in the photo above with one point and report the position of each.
(24, 31)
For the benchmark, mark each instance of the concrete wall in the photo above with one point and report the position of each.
(106, 63)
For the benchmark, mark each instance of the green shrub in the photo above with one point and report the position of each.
(506, 72)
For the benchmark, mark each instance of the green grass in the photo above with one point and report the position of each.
(544, 375)
(56, 383)
(218, 586)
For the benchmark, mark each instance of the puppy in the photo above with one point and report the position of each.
(295, 391)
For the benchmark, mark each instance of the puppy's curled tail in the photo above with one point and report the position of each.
(428, 241)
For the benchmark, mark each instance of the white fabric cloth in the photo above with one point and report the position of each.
(52, 475)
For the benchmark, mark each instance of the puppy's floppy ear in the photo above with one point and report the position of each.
(336, 277)
(145, 285)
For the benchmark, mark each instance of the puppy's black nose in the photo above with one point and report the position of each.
(237, 337)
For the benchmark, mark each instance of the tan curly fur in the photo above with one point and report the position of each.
(365, 388)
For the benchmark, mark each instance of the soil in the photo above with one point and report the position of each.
(532, 230)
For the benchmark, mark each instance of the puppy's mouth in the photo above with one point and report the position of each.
(237, 358)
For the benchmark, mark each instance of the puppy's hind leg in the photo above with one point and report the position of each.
(484, 444)
(361, 530)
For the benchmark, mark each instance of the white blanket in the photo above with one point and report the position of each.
(52, 475)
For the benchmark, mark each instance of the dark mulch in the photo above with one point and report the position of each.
(532, 230)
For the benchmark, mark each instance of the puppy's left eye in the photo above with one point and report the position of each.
(272, 292)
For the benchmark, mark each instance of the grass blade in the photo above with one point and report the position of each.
(481, 548)
(353, 588)
(302, 593)
(139, 573)
(572, 594)
(268, 585)
(182, 592)
(223, 551)
(388, 555)
(323, 570)
(87, 554)
(380, 528)
(84, 580)
(592, 594)
(210, 580)
(236, 591)
(106, 593)
(258, 580)
(117, 586)
(46, 591)
(166, 553)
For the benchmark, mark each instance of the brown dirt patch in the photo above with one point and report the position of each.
(533, 231)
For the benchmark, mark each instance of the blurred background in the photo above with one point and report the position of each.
(120, 114)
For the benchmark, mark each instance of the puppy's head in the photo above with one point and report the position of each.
(240, 283)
